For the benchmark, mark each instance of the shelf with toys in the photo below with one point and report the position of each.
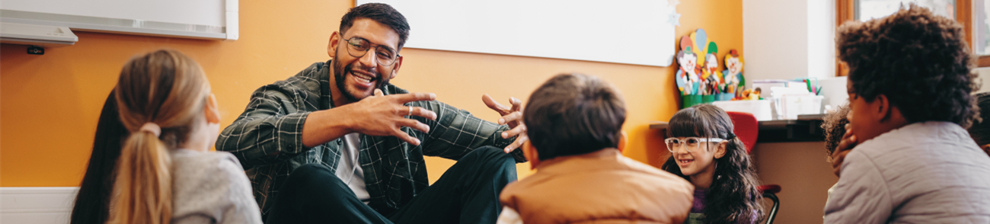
(699, 78)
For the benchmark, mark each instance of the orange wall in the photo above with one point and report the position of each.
(49, 103)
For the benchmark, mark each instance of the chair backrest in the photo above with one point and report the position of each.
(746, 128)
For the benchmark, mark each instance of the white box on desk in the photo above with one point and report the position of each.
(789, 107)
(761, 109)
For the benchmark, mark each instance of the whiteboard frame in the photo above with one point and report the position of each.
(229, 31)
(566, 29)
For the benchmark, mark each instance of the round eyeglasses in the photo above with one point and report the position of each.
(358, 47)
(690, 144)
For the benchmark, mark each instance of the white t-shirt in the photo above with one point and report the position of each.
(349, 168)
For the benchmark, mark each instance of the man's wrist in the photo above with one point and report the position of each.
(325, 125)
(344, 115)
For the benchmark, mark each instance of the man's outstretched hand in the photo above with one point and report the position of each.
(382, 115)
(378, 115)
(511, 116)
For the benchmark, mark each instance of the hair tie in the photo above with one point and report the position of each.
(731, 136)
(153, 128)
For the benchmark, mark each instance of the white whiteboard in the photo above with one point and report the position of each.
(209, 19)
(631, 32)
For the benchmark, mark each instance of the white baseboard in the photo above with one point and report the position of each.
(36, 205)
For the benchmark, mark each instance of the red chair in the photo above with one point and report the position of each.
(746, 129)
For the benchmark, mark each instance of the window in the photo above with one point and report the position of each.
(981, 30)
(966, 12)
(871, 9)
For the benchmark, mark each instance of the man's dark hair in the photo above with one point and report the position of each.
(573, 114)
(379, 12)
(919, 61)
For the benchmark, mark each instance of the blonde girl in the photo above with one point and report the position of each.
(165, 173)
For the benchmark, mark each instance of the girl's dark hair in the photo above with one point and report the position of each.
(92, 203)
(919, 61)
(732, 197)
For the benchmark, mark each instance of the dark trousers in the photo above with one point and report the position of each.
(466, 193)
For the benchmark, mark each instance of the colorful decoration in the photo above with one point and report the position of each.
(673, 18)
(699, 73)
(688, 79)
(711, 75)
(699, 42)
(733, 73)
(700, 79)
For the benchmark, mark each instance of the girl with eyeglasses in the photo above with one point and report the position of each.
(704, 151)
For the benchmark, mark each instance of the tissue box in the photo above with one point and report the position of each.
(761, 109)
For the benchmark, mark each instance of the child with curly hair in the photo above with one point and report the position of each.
(980, 131)
(834, 126)
(705, 151)
(909, 89)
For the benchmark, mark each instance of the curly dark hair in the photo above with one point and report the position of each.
(379, 12)
(573, 114)
(980, 131)
(834, 126)
(919, 61)
(732, 197)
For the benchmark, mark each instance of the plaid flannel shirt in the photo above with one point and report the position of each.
(267, 139)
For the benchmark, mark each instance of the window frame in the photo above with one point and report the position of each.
(845, 10)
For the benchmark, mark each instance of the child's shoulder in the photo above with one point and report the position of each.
(188, 161)
(921, 139)
(655, 174)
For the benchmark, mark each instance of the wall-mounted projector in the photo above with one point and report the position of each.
(37, 35)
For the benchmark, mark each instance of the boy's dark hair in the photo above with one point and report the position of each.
(381, 13)
(980, 131)
(573, 114)
(919, 61)
(834, 126)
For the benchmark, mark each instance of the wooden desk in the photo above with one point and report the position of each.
(806, 128)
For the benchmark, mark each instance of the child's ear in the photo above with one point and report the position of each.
(622, 141)
(531, 154)
(883, 107)
(720, 151)
(212, 110)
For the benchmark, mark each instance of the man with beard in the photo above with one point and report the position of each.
(354, 144)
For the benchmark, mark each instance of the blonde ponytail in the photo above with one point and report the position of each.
(143, 190)
(160, 96)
